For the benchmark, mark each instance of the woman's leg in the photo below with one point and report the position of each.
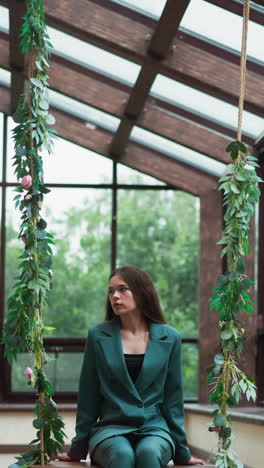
(152, 452)
(114, 452)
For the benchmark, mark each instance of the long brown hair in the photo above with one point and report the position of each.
(144, 292)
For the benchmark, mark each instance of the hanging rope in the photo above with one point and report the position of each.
(243, 66)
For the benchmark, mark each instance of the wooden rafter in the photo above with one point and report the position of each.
(211, 69)
(112, 100)
(157, 50)
(17, 9)
(125, 37)
(175, 173)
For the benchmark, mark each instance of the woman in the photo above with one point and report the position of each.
(130, 407)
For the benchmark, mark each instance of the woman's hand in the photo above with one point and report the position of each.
(64, 457)
(195, 461)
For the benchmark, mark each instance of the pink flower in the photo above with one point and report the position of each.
(26, 182)
(29, 373)
(215, 429)
(24, 239)
(28, 196)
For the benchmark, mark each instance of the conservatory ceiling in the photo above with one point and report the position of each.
(153, 84)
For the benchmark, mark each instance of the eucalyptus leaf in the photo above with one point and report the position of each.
(245, 283)
(38, 423)
(50, 119)
(226, 334)
(220, 420)
(219, 359)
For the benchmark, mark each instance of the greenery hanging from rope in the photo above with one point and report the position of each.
(24, 328)
(231, 296)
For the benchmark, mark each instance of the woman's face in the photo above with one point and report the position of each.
(121, 296)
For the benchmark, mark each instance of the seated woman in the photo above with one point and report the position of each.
(130, 405)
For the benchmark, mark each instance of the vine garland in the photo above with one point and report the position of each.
(231, 296)
(24, 328)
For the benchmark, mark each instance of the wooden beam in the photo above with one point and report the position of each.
(112, 100)
(213, 75)
(5, 100)
(169, 170)
(185, 132)
(236, 6)
(157, 50)
(136, 156)
(17, 9)
(260, 279)
(211, 226)
(121, 35)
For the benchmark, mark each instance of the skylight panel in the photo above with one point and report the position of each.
(94, 58)
(87, 113)
(223, 27)
(4, 20)
(85, 54)
(176, 151)
(151, 8)
(5, 78)
(203, 104)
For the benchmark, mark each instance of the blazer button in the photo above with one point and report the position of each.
(140, 404)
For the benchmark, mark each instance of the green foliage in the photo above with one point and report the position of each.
(24, 329)
(231, 298)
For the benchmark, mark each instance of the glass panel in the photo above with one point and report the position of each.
(14, 245)
(190, 358)
(4, 20)
(63, 370)
(10, 175)
(85, 54)
(83, 111)
(69, 164)
(150, 8)
(202, 104)
(5, 78)
(80, 222)
(223, 27)
(159, 232)
(126, 175)
(176, 151)
(94, 58)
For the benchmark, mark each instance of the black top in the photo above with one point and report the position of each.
(134, 363)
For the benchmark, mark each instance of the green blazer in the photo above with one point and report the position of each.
(110, 404)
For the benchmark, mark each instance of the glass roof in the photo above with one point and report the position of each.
(151, 8)
(4, 20)
(203, 104)
(84, 54)
(216, 24)
(210, 22)
(108, 122)
(176, 151)
(5, 78)
(94, 58)
(83, 111)
(223, 27)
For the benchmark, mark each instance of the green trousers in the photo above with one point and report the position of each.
(132, 451)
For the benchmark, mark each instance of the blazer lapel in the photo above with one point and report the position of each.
(110, 345)
(156, 356)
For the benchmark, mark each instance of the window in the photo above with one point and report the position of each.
(79, 213)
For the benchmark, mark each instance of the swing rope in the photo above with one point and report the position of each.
(243, 66)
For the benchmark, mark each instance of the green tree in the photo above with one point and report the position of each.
(157, 230)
